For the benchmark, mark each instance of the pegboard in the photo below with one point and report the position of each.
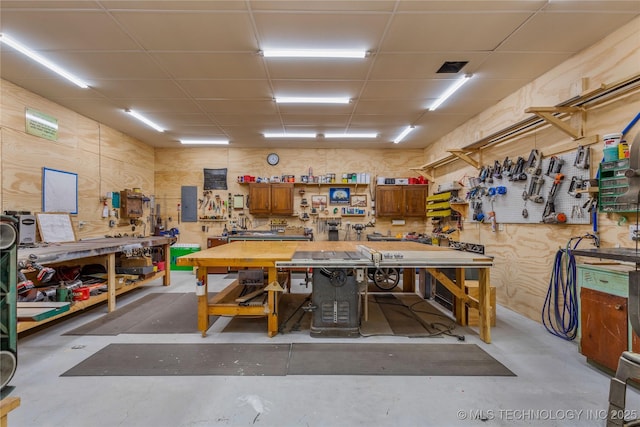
(509, 206)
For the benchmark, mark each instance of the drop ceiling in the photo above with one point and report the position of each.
(194, 67)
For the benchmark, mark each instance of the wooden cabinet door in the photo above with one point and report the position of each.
(415, 200)
(604, 327)
(282, 199)
(260, 199)
(389, 200)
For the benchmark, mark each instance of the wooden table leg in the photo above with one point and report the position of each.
(272, 298)
(111, 282)
(460, 308)
(484, 300)
(203, 304)
(409, 280)
(166, 280)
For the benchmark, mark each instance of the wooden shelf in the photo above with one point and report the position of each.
(542, 117)
(82, 305)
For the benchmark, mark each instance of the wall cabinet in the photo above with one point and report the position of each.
(130, 204)
(604, 331)
(401, 200)
(271, 199)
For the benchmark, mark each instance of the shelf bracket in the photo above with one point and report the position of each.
(465, 157)
(422, 170)
(551, 116)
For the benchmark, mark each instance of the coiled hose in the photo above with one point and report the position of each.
(560, 309)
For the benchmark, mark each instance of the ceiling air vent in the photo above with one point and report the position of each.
(451, 67)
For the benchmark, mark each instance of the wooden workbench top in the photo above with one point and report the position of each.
(267, 253)
(241, 254)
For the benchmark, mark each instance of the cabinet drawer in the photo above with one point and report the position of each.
(608, 281)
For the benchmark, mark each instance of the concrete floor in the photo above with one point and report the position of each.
(554, 384)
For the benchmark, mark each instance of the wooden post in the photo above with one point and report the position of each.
(111, 282)
(203, 304)
(166, 280)
(272, 298)
(461, 313)
(409, 280)
(484, 300)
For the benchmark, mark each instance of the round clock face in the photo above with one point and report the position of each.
(273, 159)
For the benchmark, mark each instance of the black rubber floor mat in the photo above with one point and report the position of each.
(185, 359)
(154, 313)
(290, 359)
(394, 359)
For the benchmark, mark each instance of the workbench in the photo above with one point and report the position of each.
(101, 250)
(274, 255)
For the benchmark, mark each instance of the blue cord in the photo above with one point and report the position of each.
(560, 309)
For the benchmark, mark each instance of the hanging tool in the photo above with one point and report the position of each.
(549, 215)
(532, 167)
(517, 174)
(497, 169)
(533, 194)
(555, 165)
(582, 157)
(575, 185)
(179, 210)
(507, 166)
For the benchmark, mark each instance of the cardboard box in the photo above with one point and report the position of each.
(471, 289)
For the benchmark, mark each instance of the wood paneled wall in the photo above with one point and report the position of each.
(107, 160)
(104, 159)
(177, 167)
(524, 254)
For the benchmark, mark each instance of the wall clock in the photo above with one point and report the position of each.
(273, 159)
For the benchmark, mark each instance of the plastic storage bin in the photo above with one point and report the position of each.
(180, 249)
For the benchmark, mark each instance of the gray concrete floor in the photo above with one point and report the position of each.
(554, 384)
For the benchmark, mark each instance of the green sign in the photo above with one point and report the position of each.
(41, 124)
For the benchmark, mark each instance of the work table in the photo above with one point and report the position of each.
(274, 255)
(31, 314)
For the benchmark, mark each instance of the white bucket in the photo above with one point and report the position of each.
(612, 140)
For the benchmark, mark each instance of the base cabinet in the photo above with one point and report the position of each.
(604, 331)
(604, 327)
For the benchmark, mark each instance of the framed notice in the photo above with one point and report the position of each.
(55, 227)
(59, 191)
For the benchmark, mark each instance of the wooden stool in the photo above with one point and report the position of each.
(472, 288)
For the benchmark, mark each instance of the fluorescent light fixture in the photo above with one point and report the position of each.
(204, 142)
(351, 135)
(457, 85)
(144, 120)
(42, 61)
(312, 100)
(290, 135)
(314, 53)
(404, 133)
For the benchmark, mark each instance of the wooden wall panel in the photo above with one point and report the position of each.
(104, 159)
(183, 166)
(524, 254)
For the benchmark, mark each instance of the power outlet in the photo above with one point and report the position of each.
(633, 232)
